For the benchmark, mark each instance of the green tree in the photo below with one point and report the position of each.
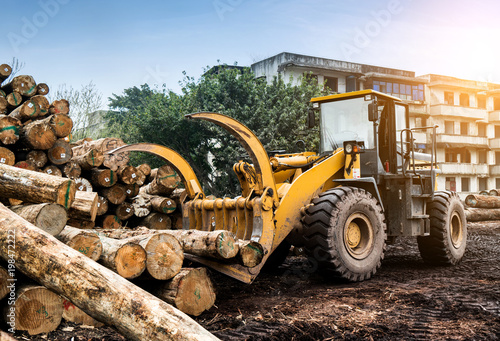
(276, 112)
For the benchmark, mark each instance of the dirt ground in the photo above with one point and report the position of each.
(406, 300)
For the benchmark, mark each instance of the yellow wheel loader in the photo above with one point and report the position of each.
(366, 187)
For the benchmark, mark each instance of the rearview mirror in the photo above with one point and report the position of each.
(372, 112)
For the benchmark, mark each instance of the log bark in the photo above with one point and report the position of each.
(74, 314)
(83, 185)
(36, 106)
(23, 84)
(125, 258)
(112, 161)
(191, 291)
(142, 206)
(60, 153)
(49, 217)
(71, 170)
(59, 107)
(494, 192)
(102, 177)
(89, 160)
(162, 204)
(115, 195)
(4, 282)
(102, 205)
(157, 221)
(37, 309)
(164, 252)
(84, 241)
(7, 157)
(37, 157)
(115, 301)
(127, 174)
(250, 253)
(482, 201)
(482, 214)
(9, 129)
(124, 211)
(52, 170)
(84, 207)
(5, 71)
(37, 135)
(35, 187)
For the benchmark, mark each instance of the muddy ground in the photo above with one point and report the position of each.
(406, 300)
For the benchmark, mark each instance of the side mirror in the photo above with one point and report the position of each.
(372, 112)
(311, 119)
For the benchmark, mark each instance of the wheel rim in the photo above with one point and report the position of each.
(358, 236)
(456, 230)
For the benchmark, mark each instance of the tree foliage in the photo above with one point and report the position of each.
(276, 112)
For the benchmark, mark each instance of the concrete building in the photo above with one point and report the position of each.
(467, 112)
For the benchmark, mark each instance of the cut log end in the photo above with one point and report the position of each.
(130, 260)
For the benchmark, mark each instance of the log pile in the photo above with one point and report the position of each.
(111, 221)
(483, 206)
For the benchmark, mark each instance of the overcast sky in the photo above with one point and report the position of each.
(120, 44)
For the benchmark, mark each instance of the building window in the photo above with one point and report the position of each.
(482, 156)
(481, 129)
(464, 156)
(332, 83)
(483, 184)
(496, 103)
(464, 128)
(350, 84)
(497, 160)
(464, 100)
(481, 102)
(465, 184)
(497, 183)
(497, 131)
(401, 90)
(420, 122)
(449, 98)
(450, 184)
(450, 155)
(449, 127)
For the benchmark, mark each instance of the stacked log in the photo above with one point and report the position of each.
(482, 207)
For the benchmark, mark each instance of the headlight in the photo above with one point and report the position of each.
(348, 148)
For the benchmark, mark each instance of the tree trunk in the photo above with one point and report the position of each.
(145, 169)
(142, 206)
(27, 165)
(115, 195)
(5, 71)
(59, 107)
(49, 217)
(191, 291)
(35, 187)
(132, 190)
(250, 253)
(61, 123)
(84, 241)
(103, 145)
(42, 89)
(109, 221)
(102, 177)
(164, 252)
(102, 205)
(71, 170)
(126, 258)
(36, 106)
(37, 309)
(74, 314)
(157, 221)
(124, 211)
(37, 157)
(52, 170)
(127, 174)
(83, 185)
(482, 214)
(162, 204)
(482, 201)
(37, 135)
(89, 160)
(9, 129)
(4, 105)
(84, 206)
(23, 84)
(14, 99)
(60, 153)
(7, 157)
(96, 290)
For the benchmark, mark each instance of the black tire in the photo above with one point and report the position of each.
(448, 236)
(345, 232)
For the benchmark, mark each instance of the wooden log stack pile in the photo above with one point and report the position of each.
(483, 206)
(127, 218)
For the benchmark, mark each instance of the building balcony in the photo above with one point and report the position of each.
(495, 143)
(418, 109)
(420, 138)
(464, 168)
(461, 141)
(494, 170)
(458, 111)
(494, 116)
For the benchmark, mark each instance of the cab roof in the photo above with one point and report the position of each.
(354, 94)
